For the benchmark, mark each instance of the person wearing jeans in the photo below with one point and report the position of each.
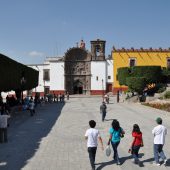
(116, 132)
(103, 109)
(92, 156)
(115, 146)
(159, 133)
(92, 135)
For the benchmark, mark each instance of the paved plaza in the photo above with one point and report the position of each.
(53, 139)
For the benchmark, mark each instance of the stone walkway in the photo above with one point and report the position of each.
(54, 138)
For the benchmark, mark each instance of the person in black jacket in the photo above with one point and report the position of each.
(103, 111)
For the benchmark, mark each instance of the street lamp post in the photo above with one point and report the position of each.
(102, 90)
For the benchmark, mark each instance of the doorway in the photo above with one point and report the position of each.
(78, 87)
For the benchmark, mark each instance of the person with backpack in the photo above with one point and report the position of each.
(116, 133)
(137, 143)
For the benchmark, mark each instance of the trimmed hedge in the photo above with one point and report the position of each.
(136, 84)
(152, 74)
(122, 74)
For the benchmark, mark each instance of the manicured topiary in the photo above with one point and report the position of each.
(152, 74)
(122, 74)
(136, 84)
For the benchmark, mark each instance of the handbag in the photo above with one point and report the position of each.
(121, 134)
(108, 151)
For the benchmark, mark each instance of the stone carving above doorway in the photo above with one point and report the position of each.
(77, 71)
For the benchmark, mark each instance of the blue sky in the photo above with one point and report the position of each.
(31, 30)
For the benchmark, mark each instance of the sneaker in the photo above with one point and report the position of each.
(157, 164)
(118, 163)
(165, 161)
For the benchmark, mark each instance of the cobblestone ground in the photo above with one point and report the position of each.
(53, 139)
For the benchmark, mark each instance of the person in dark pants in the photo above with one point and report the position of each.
(137, 143)
(103, 111)
(92, 135)
(116, 132)
(118, 96)
(3, 127)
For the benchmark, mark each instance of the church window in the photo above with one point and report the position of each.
(132, 62)
(97, 78)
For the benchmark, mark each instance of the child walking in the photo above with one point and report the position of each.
(137, 143)
(92, 135)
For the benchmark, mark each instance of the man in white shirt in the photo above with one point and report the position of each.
(92, 135)
(159, 133)
(3, 127)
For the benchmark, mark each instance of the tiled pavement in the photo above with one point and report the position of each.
(53, 139)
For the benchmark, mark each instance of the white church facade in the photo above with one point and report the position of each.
(77, 72)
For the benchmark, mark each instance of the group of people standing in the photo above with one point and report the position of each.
(116, 132)
(60, 97)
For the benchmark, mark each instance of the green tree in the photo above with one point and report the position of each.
(136, 84)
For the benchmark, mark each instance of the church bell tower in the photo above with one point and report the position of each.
(98, 49)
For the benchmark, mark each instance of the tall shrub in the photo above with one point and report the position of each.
(136, 84)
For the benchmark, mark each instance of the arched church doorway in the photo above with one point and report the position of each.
(78, 87)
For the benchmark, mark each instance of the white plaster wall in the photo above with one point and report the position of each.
(41, 83)
(57, 75)
(110, 70)
(98, 69)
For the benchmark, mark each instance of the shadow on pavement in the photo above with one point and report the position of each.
(109, 119)
(168, 162)
(25, 135)
(122, 160)
(104, 164)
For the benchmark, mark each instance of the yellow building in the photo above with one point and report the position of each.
(138, 57)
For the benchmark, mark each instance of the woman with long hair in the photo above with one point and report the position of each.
(137, 142)
(116, 132)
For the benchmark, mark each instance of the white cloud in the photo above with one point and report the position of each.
(36, 54)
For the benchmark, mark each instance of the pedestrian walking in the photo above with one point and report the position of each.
(54, 97)
(57, 98)
(60, 97)
(63, 97)
(92, 136)
(32, 107)
(67, 94)
(116, 132)
(159, 133)
(137, 143)
(3, 127)
(103, 110)
(118, 97)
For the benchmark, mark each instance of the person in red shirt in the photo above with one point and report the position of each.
(137, 142)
